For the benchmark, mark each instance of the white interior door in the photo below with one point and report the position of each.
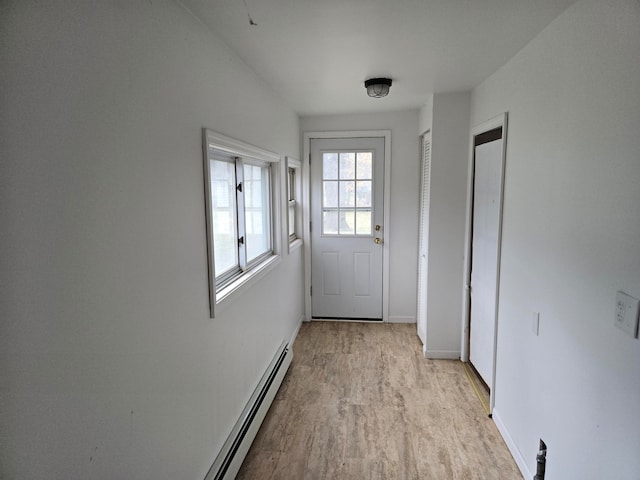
(347, 196)
(487, 201)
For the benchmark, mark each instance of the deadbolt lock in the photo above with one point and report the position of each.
(378, 228)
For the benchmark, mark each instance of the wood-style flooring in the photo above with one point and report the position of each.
(360, 401)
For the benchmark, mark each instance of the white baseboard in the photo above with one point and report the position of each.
(401, 319)
(295, 332)
(511, 445)
(441, 354)
(230, 457)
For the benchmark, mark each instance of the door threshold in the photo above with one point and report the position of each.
(342, 319)
(479, 386)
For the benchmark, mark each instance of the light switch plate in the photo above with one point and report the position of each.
(626, 313)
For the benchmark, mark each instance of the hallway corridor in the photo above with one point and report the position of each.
(361, 402)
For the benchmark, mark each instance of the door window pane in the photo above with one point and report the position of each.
(364, 165)
(347, 194)
(347, 222)
(363, 194)
(330, 223)
(347, 166)
(363, 222)
(330, 166)
(330, 195)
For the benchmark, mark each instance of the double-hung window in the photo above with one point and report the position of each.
(294, 194)
(240, 212)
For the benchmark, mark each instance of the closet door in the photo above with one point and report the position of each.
(423, 246)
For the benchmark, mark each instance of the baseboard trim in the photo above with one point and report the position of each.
(230, 457)
(401, 319)
(511, 445)
(441, 354)
(297, 330)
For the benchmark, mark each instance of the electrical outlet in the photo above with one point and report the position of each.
(626, 314)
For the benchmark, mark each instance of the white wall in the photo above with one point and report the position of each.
(447, 115)
(571, 239)
(402, 234)
(110, 366)
(425, 116)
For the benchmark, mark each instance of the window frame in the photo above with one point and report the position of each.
(339, 180)
(219, 147)
(295, 239)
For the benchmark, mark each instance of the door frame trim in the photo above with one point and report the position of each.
(306, 192)
(495, 122)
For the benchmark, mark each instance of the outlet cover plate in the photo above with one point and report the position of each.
(627, 313)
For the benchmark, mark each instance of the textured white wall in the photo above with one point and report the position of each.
(449, 162)
(571, 240)
(425, 116)
(110, 364)
(402, 234)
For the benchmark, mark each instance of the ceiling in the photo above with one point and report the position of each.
(317, 53)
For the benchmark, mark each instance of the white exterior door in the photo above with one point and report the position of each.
(487, 203)
(347, 196)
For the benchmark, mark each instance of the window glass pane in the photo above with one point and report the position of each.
(292, 221)
(292, 203)
(223, 200)
(256, 210)
(347, 194)
(329, 223)
(330, 166)
(347, 166)
(292, 218)
(292, 183)
(330, 195)
(363, 222)
(347, 222)
(364, 165)
(363, 193)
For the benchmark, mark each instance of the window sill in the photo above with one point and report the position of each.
(238, 286)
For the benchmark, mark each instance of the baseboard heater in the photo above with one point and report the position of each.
(231, 456)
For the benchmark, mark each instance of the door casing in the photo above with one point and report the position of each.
(306, 191)
(495, 122)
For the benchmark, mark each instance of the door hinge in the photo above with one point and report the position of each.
(310, 227)
(311, 290)
(309, 158)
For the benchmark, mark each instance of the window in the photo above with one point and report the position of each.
(241, 217)
(347, 182)
(294, 181)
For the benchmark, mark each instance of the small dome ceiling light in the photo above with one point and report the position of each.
(377, 87)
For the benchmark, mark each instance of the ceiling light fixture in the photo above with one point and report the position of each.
(377, 87)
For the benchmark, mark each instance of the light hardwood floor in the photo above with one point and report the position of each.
(360, 401)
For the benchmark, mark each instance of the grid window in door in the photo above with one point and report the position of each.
(347, 184)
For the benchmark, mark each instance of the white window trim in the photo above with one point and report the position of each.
(217, 141)
(296, 243)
